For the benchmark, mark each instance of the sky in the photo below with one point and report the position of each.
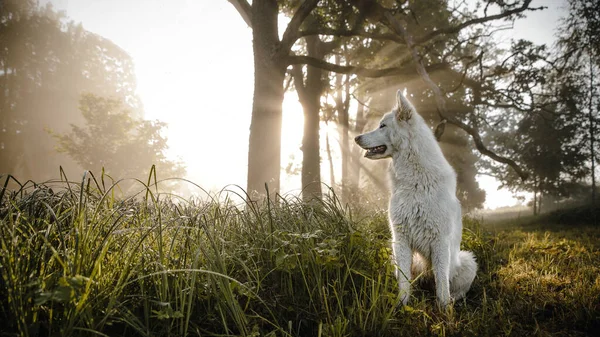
(194, 69)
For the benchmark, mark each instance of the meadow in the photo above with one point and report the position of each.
(76, 260)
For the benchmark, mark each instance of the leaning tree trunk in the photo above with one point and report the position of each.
(264, 153)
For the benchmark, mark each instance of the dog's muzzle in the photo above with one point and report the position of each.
(371, 151)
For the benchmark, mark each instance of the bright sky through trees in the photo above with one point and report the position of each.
(194, 69)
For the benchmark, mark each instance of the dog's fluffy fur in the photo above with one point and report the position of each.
(424, 213)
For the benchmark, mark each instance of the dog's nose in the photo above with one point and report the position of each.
(357, 139)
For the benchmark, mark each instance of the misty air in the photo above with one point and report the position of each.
(299, 168)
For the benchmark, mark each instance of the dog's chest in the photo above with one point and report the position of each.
(415, 210)
(422, 204)
(413, 222)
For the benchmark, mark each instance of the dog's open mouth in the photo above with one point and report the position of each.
(372, 151)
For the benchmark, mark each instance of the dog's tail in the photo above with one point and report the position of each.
(463, 275)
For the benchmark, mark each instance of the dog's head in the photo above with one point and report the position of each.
(393, 128)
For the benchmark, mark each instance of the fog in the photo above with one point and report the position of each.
(123, 85)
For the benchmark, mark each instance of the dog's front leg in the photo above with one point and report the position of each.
(440, 261)
(403, 259)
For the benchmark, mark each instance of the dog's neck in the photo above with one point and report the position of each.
(414, 163)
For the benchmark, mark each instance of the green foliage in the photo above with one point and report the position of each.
(115, 140)
(552, 130)
(76, 261)
(437, 54)
(580, 31)
(579, 64)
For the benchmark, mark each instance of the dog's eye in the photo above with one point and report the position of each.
(381, 125)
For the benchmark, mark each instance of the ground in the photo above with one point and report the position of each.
(77, 260)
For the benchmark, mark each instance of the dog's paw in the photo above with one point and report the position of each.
(445, 303)
(404, 298)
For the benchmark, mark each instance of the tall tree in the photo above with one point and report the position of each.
(579, 43)
(547, 130)
(272, 56)
(310, 88)
(552, 128)
(264, 153)
(114, 139)
(342, 108)
(546, 143)
(46, 62)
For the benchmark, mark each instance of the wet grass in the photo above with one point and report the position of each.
(77, 260)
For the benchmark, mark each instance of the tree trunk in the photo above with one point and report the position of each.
(534, 202)
(592, 130)
(264, 153)
(342, 108)
(311, 156)
(535, 196)
(330, 159)
(5, 117)
(355, 156)
(309, 94)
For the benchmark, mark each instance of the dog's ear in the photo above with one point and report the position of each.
(404, 110)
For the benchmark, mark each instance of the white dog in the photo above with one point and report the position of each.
(424, 213)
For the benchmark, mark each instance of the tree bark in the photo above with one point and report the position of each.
(310, 98)
(311, 159)
(342, 108)
(355, 156)
(535, 195)
(264, 153)
(330, 159)
(592, 132)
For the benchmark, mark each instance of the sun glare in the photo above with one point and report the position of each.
(292, 129)
(291, 142)
(195, 72)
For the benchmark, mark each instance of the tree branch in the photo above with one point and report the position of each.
(366, 72)
(243, 7)
(299, 81)
(349, 33)
(418, 41)
(483, 149)
(457, 28)
(293, 28)
(398, 25)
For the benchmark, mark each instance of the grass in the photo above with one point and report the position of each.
(75, 260)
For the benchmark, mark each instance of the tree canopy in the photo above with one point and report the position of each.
(114, 140)
(550, 127)
(406, 41)
(46, 63)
